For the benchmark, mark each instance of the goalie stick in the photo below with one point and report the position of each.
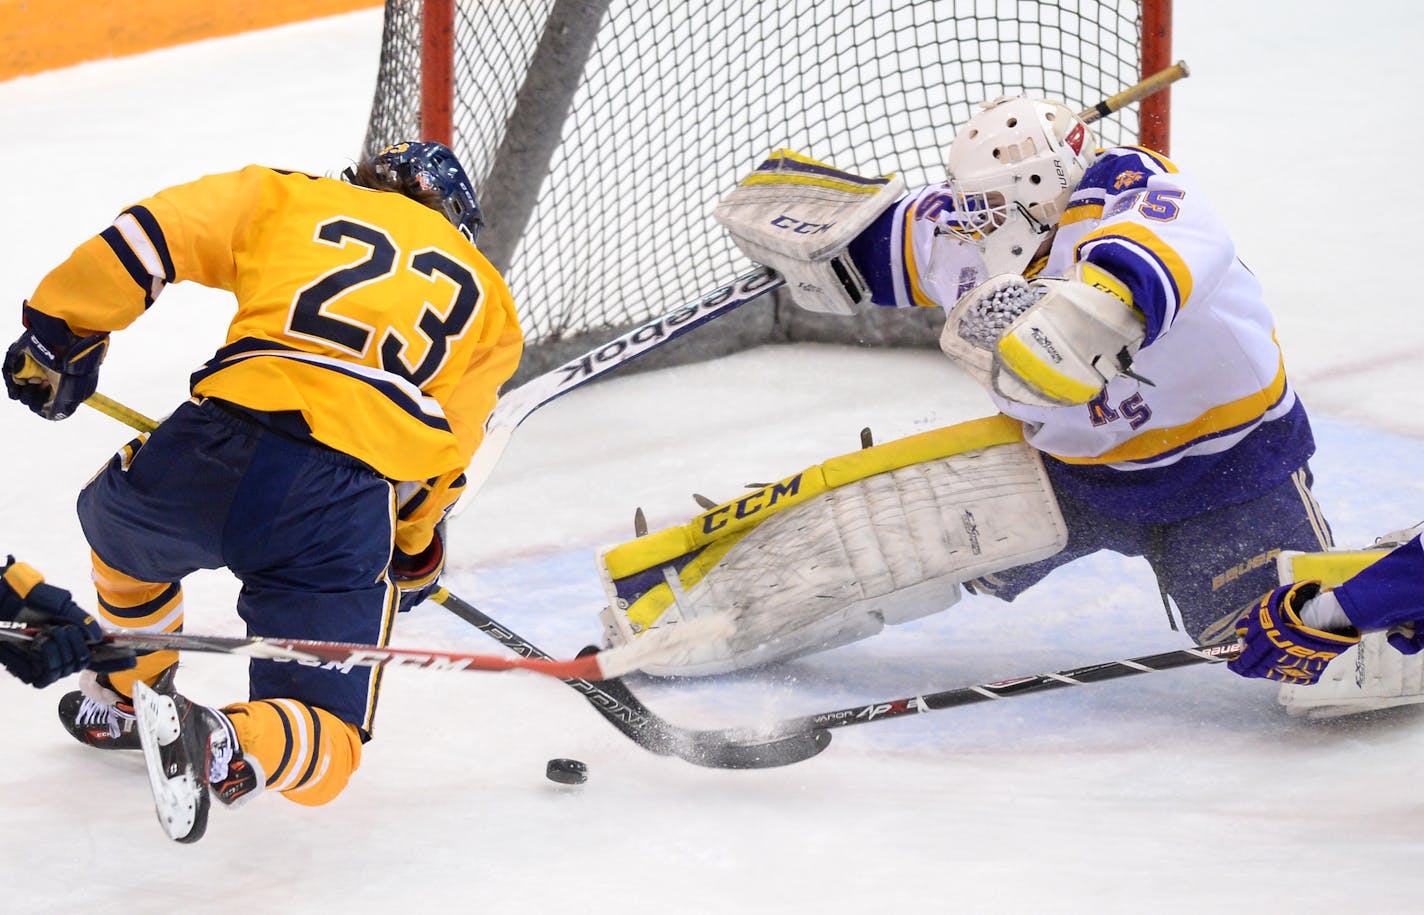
(516, 406)
(887, 709)
(717, 749)
(611, 698)
(347, 655)
(730, 748)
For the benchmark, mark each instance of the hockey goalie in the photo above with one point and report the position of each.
(1097, 297)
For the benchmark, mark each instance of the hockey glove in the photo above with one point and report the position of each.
(1276, 645)
(1082, 332)
(418, 576)
(50, 369)
(69, 639)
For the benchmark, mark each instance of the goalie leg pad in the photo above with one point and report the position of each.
(1370, 676)
(885, 547)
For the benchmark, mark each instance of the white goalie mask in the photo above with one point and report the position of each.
(1012, 168)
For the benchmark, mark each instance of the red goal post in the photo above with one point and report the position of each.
(600, 133)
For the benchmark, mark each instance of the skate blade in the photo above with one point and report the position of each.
(180, 800)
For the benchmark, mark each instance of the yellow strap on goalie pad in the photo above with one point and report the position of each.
(1330, 568)
(730, 520)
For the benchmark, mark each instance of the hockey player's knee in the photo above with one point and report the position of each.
(307, 753)
(126, 602)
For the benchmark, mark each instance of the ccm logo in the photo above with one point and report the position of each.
(800, 226)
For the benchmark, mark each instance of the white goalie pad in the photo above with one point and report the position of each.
(1370, 675)
(833, 554)
(797, 216)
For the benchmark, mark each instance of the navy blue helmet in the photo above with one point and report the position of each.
(433, 166)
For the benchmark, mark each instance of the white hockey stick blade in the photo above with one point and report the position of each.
(517, 405)
(180, 798)
(667, 645)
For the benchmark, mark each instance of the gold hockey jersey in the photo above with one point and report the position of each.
(364, 310)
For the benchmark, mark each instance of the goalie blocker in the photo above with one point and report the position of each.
(832, 554)
(797, 216)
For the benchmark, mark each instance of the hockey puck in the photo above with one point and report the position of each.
(566, 771)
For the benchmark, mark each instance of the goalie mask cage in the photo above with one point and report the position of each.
(600, 134)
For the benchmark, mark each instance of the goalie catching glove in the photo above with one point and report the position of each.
(798, 216)
(1049, 342)
(50, 369)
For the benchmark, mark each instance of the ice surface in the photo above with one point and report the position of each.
(1179, 791)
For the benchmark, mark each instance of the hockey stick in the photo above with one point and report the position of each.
(344, 656)
(516, 406)
(1150, 85)
(886, 709)
(126, 415)
(613, 700)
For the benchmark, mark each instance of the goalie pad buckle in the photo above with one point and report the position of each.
(797, 216)
(834, 553)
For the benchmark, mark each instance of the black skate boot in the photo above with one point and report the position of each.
(106, 725)
(189, 749)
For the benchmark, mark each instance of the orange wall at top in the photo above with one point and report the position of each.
(39, 35)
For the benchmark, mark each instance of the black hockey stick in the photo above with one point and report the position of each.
(616, 703)
(887, 709)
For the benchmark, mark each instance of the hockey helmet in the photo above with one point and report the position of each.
(417, 166)
(1012, 169)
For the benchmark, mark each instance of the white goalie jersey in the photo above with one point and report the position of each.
(1210, 418)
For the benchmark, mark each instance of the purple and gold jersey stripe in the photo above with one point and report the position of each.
(1236, 418)
(896, 252)
(1157, 276)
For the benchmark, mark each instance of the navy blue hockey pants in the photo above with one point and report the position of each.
(307, 530)
(1213, 565)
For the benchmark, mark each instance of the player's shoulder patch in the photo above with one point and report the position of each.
(1125, 168)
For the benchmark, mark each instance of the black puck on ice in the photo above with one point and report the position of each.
(566, 771)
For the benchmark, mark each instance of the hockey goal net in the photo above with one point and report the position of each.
(601, 133)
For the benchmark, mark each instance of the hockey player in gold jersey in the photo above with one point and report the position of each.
(322, 445)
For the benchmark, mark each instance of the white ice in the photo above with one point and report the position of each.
(1178, 791)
